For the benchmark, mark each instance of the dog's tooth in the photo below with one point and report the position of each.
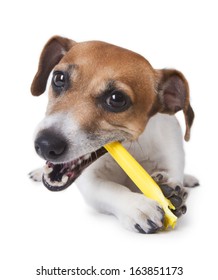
(47, 170)
(79, 161)
(60, 184)
(73, 166)
(64, 179)
(52, 183)
(47, 179)
(56, 184)
(87, 156)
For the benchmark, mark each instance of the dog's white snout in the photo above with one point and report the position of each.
(59, 138)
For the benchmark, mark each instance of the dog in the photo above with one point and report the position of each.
(101, 93)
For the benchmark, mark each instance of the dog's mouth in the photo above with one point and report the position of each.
(58, 177)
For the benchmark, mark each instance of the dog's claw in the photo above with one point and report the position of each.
(178, 189)
(185, 195)
(184, 209)
(153, 227)
(139, 229)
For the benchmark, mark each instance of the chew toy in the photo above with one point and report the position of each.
(142, 180)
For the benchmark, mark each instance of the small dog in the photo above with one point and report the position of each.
(102, 93)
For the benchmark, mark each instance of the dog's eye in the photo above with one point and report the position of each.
(59, 80)
(117, 101)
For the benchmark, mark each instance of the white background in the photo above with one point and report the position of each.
(39, 227)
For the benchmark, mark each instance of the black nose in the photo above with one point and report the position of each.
(50, 145)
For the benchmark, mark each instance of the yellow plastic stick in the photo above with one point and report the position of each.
(142, 180)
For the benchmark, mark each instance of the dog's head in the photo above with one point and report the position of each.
(99, 93)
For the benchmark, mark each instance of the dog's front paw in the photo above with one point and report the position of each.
(36, 175)
(141, 214)
(190, 181)
(172, 190)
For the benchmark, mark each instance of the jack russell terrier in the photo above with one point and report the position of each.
(102, 93)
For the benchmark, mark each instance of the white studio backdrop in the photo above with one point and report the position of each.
(40, 228)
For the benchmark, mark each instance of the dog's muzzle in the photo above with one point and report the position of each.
(53, 148)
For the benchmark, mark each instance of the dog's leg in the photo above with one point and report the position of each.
(36, 175)
(168, 154)
(135, 211)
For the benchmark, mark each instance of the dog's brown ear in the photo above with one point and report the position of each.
(173, 96)
(51, 54)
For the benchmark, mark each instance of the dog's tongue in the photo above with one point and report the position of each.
(58, 177)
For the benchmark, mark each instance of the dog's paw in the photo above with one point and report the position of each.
(190, 181)
(172, 190)
(36, 175)
(141, 214)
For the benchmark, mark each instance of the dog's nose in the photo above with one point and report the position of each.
(50, 145)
